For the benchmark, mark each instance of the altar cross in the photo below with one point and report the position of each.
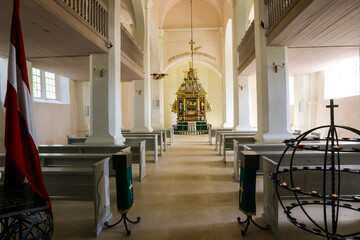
(192, 46)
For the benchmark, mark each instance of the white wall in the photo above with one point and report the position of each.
(83, 107)
(55, 121)
(127, 104)
(310, 107)
(347, 114)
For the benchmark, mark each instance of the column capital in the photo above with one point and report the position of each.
(161, 33)
(222, 31)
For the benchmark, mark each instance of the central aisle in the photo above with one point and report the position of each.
(188, 194)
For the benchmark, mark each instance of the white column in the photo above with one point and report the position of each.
(313, 101)
(147, 79)
(301, 99)
(272, 85)
(161, 83)
(83, 107)
(105, 88)
(235, 64)
(244, 93)
(227, 79)
(156, 91)
(3, 83)
(139, 107)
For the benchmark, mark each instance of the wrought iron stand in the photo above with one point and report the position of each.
(125, 218)
(247, 221)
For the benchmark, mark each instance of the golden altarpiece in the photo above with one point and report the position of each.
(191, 105)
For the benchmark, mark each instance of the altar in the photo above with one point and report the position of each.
(191, 105)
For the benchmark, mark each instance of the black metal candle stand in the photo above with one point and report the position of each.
(332, 201)
(126, 219)
(247, 221)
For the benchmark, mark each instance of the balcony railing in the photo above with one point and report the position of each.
(94, 12)
(246, 48)
(131, 48)
(277, 9)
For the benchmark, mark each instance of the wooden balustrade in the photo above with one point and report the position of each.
(94, 12)
(246, 48)
(131, 48)
(277, 9)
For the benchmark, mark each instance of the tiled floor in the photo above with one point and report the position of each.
(189, 194)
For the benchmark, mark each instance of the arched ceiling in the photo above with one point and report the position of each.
(176, 13)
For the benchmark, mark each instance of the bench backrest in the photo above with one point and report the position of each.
(83, 148)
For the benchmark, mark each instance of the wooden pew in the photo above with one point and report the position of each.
(225, 139)
(169, 133)
(212, 132)
(217, 131)
(137, 150)
(72, 139)
(82, 184)
(83, 160)
(150, 145)
(228, 143)
(303, 157)
(159, 131)
(82, 148)
(308, 180)
(159, 136)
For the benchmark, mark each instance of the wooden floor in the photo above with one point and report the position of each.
(189, 194)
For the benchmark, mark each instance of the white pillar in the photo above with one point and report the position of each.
(161, 88)
(235, 64)
(139, 107)
(227, 80)
(105, 88)
(244, 93)
(156, 92)
(83, 108)
(147, 79)
(272, 85)
(3, 83)
(313, 101)
(301, 99)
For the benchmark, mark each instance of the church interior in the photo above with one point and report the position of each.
(199, 74)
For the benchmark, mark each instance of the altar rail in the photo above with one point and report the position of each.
(94, 12)
(246, 48)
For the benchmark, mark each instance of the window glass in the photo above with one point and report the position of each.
(50, 90)
(36, 87)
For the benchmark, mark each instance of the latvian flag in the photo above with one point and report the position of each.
(22, 156)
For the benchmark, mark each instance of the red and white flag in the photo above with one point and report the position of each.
(22, 156)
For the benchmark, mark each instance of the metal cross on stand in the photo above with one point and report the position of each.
(332, 106)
